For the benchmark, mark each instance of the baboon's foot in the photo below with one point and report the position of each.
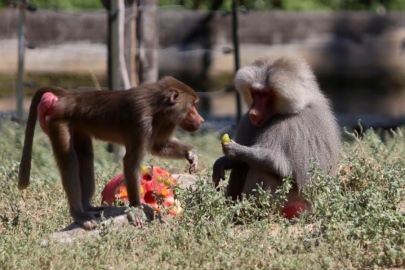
(136, 217)
(86, 219)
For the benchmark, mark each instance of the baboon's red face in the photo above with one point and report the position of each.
(193, 121)
(263, 106)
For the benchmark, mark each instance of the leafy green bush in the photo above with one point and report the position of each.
(357, 221)
(361, 204)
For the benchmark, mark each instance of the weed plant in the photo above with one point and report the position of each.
(357, 222)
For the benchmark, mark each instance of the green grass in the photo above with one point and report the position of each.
(357, 220)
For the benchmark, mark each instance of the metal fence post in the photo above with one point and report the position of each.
(114, 80)
(235, 40)
(21, 50)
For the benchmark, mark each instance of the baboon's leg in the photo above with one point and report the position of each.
(132, 172)
(265, 179)
(84, 150)
(61, 136)
(236, 183)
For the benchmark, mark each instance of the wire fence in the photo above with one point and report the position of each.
(77, 52)
(330, 42)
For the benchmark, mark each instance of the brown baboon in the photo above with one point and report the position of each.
(290, 122)
(143, 119)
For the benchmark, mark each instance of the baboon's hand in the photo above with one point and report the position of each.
(231, 149)
(218, 172)
(193, 160)
(137, 217)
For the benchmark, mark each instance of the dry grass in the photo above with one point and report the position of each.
(356, 222)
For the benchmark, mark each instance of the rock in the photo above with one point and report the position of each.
(185, 179)
(173, 170)
(113, 216)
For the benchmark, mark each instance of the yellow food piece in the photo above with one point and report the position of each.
(123, 193)
(144, 169)
(225, 138)
(177, 210)
(159, 179)
(164, 192)
(168, 182)
(142, 190)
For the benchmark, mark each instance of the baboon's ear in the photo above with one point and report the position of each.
(174, 95)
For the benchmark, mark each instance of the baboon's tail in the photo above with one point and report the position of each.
(25, 164)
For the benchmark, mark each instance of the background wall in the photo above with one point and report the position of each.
(357, 56)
